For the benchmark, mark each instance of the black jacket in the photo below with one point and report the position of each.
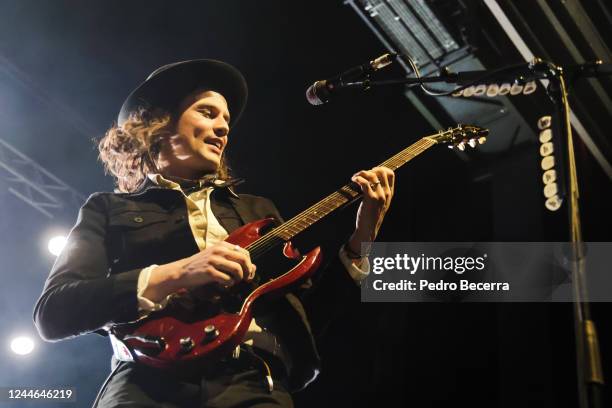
(93, 282)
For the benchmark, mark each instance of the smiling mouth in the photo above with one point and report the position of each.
(216, 145)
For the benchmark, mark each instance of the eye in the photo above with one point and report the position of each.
(207, 113)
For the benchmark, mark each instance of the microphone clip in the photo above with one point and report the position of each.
(320, 92)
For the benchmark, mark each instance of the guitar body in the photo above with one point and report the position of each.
(178, 337)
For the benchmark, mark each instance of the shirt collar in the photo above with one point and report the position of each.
(189, 186)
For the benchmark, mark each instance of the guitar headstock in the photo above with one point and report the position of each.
(462, 135)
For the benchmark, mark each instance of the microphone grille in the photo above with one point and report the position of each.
(311, 95)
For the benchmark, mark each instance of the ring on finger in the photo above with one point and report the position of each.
(237, 248)
(372, 185)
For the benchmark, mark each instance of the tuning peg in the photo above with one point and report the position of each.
(451, 146)
(461, 146)
(472, 143)
(482, 140)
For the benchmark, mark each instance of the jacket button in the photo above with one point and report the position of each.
(138, 219)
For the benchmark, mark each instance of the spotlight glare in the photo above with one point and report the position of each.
(56, 244)
(22, 345)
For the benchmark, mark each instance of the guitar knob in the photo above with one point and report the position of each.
(210, 332)
(472, 143)
(186, 344)
(482, 140)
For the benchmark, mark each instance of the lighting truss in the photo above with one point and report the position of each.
(413, 29)
(34, 185)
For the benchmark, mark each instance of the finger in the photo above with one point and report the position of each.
(371, 191)
(374, 179)
(385, 175)
(229, 245)
(391, 179)
(366, 186)
(234, 269)
(387, 178)
(368, 175)
(390, 176)
(237, 254)
(221, 278)
(377, 180)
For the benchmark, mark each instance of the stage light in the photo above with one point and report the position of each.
(22, 345)
(467, 92)
(553, 203)
(546, 149)
(56, 244)
(550, 190)
(504, 89)
(544, 122)
(549, 177)
(545, 136)
(516, 89)
(548, 163)
(480, 90)
(492, 90)
(530, 87)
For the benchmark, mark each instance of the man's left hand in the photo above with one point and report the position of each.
(377, 186)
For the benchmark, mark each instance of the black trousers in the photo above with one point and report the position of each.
(229, 384)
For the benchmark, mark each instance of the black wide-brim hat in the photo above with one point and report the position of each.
(167, 86)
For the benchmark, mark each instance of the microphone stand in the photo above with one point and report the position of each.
(588, 359)
(519, 73)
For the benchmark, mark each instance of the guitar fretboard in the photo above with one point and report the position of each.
(343, 196)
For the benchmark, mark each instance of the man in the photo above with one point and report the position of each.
(160, 238)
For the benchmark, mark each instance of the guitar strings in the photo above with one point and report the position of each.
(336, 199)
(331, 202)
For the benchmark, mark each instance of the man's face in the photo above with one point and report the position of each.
(201, 135)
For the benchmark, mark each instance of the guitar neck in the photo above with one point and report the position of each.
(339, 198)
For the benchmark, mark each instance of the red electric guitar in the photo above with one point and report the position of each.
(177, 336)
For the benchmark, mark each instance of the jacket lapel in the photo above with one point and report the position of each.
(229, 210)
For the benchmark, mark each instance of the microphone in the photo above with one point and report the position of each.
(320, 92)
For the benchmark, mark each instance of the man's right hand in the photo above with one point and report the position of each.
(222, 263)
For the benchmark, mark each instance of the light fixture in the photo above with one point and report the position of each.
(549, 177)
(22, 345)
(493, 90)
(57, 244)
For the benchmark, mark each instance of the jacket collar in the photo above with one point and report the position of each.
(224, 185)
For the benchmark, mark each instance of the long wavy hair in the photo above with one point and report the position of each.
(129, 152)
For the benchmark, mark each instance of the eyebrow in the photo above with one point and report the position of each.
(209, 105)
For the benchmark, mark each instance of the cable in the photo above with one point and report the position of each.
(435, 92)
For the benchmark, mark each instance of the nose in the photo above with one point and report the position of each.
(221, 127)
